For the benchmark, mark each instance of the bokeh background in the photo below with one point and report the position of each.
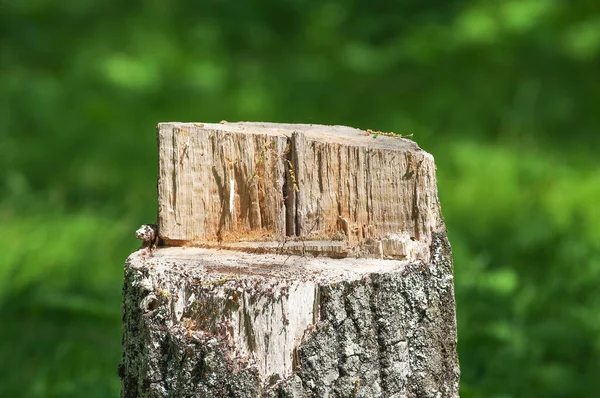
(504, 93)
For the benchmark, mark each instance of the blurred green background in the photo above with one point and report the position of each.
(504, 93)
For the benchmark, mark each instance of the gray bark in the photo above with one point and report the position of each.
(301, 261)
(197, 324)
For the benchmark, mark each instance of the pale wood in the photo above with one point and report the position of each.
(223, 184)
(322, 268)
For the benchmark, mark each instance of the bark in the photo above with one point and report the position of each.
(296, 261)
(215, 323)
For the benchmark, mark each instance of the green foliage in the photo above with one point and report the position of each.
(527, 258)
(503, 93)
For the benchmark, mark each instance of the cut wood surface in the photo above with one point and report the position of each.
(294, 261)
(230, 183)
(215, 323)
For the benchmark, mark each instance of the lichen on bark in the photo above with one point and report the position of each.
(375, 331)
(305, 261)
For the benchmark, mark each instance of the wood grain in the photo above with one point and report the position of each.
(226, 184)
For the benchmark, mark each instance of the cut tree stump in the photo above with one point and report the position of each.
(296, 261)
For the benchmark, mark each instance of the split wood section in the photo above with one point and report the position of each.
(330, 190)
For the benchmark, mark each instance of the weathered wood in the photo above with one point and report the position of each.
(236, 182)
(321, 268)
(216, 323)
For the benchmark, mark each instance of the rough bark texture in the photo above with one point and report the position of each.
(321, 269)
(210, 323)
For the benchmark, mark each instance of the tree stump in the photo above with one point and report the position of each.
(296, 261)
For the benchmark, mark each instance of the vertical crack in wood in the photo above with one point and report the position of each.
(175, 154)
(297, 153)
(289, 192)
(250, 337)
(317, 304)
(415, 209)
(221, 192)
